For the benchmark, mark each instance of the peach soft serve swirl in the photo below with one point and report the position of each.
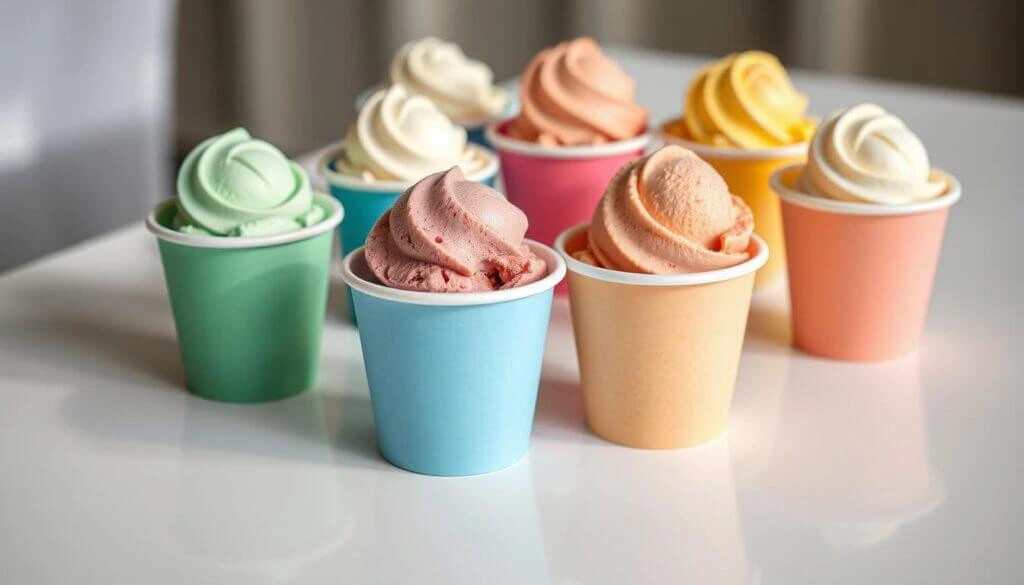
(668, 213)
(745, 100)
(572, 94)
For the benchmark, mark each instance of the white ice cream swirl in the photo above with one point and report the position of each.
(404, 137)
(864, 154)
(462, 88)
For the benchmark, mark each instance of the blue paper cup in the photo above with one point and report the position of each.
(475, 129)
(365, 201)
(453, 377)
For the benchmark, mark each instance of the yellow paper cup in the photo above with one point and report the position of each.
(747, 173)
(658, 353)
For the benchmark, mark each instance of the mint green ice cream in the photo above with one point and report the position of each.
(237, 185)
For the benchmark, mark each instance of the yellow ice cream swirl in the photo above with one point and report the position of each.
(746, 100)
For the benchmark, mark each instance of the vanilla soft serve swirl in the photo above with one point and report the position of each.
(867, 155)
(404, 137)
(462, 88)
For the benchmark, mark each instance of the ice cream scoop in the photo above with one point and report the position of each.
(462, 88)
(745, 100)
(866, 154)
(572, 94)
(237, 185)
(669, 213)
(448, 234)
(405, 137)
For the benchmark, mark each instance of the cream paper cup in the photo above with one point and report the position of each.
(658, 353)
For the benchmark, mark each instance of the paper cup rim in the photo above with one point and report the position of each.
(502, 142)
(795, 197)
(510, 109)
(707, 150)
(748, 266)
(556, 271)
(334, 217)
(333, 177)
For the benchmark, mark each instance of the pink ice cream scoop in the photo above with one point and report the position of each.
(668, 213)
(447, 234)
(572, 94)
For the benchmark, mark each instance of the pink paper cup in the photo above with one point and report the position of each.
(860, 274)
(558, 186)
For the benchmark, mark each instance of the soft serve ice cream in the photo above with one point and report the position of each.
(448, 234)
(572, 94)
(462, 88)
(399, 136)
(745, 100)
(668, 213)
(237, 185)
(867, 155)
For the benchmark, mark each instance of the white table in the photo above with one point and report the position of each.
(894, 473)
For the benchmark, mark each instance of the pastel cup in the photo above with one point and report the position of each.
(453, 377)
(365, 201)
(658, 354)
(747, 173)
(248, 311)
(475, 129)
(860, 274)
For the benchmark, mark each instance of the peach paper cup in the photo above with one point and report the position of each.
(747, 173)
(558, 186)
(658, 353)
(860, 274)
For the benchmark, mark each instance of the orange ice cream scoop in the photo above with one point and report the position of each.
(572, 94)
(745, 100)
(669, 213)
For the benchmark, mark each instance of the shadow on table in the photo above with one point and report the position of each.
(115, 349)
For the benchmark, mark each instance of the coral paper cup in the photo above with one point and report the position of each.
(747, 173)
(558, 186)
(475, 129)
(860, 275)
(365, 201)
(658, 354)
(453, 377)
(248, 311)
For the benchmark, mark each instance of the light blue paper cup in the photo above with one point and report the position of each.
(453, 377)
(365, 201)
(475, 129)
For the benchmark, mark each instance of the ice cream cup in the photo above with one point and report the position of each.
(365, 201)
(747, 173)
(453, 377)
(475, 129)
(860, 274)
(558, 186)
(248, 311)
(658, 353)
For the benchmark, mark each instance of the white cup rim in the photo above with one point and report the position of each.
(727, 152)
(634, 278)
(391, 186)
(335, 213)
(619, 147)
(794, 197)
(511, 107)
(555, 265)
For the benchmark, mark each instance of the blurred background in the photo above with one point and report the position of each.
(100, 98)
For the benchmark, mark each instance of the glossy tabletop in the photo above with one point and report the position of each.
(901, 472)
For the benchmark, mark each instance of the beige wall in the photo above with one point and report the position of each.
(289, 70)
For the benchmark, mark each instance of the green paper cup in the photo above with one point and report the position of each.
(249, 311)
